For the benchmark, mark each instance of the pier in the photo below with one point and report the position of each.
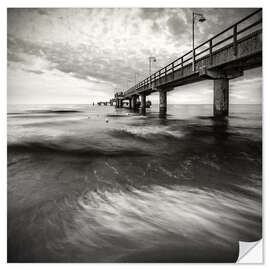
(221, 58)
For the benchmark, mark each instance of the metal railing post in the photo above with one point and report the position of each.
(211, 51)
(235, 49)
(182, 66)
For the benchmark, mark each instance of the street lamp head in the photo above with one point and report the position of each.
(202, 18)
(199, 17)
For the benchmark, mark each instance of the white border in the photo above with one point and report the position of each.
(134, 3)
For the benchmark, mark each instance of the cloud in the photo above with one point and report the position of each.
(152, 13)
(42, 11)
(155, 27)
(34, 71)
(177, 25)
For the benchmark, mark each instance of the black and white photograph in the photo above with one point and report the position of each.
(134, 134)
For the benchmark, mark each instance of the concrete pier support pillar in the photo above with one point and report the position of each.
(120, 103)
(221, 97)
(162, 103)
(143, 101)
(143, 104)
(133, 102)
(129, 103)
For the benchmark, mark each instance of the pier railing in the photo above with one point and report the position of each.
(230, 35)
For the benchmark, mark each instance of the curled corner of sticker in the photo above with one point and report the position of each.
(250, 252)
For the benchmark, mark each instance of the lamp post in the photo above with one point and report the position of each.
(135, 77)
(128, 81)
(200, 18)
(151, 59)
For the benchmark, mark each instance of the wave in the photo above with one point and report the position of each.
(150, 224)
(118, 115)
(44, 111)
(169, 208)
(54, 148)
(147, 132)
(158, 215)
(174, 223)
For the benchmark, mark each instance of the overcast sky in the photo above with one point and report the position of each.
(82, 55)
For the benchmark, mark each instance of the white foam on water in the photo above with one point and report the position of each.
(147, 218)
(147, 131)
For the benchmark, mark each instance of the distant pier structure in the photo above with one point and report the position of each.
(221, 58)
(104, 103)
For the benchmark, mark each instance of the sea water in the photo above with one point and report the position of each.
(99, 184)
